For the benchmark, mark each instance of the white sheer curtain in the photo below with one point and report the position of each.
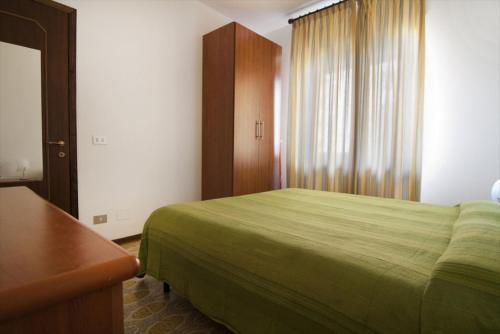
(356, 99)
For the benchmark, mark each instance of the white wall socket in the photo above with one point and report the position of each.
(99, 140)
(101, 219)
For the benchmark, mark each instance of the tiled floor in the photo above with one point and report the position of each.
(149, 310)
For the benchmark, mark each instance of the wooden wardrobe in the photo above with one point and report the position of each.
(241, 75)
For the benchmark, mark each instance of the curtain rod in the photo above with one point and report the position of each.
(290, 21)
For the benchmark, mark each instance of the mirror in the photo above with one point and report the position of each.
(21, 140)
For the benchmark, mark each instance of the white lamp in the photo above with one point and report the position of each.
(495, 191)
(22, 166)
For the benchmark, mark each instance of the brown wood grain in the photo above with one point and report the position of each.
(231, 108)
(48, 256)
(266, 115)
(99, 311)
(247, 104)
(218, 108)
(51, 28)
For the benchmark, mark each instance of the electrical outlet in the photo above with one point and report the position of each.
(101, 219)
(99, 140)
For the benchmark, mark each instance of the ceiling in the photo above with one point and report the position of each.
(262, 16)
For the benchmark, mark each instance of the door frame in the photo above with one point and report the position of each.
(71, 79)
(73, 162)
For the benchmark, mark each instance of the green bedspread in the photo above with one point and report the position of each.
(302, 261)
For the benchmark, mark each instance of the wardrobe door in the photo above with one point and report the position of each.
(268, 80)
(247, 104)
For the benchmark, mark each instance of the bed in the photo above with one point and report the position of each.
(304, 261)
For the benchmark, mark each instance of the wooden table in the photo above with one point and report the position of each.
(57, 275)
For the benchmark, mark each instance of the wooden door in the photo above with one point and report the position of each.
(247, 104)
(269, 75)
(257, 69)
(50, 28)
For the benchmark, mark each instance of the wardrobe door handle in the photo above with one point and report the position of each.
(257, 130)
(261, 129)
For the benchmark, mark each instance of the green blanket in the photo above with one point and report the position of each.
(463, 295)
(302, 261)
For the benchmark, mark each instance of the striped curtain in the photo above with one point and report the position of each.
(355, 109)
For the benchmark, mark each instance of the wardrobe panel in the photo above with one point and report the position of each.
(247, 103)
(218, 107)
(269, 71)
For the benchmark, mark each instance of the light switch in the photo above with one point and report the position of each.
(122, 215)
(99, 140)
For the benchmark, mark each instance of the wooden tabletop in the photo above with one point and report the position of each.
(47, 256)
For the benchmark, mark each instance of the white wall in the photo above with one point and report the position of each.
(283, 37)
(461, 138)
(139, 76)
(20, 112)
(461, 152)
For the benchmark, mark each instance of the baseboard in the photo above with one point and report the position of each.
(128, 239)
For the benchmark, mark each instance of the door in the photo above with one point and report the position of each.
(257, 67)
(268, 89)
(247, 96)
(38, 100)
